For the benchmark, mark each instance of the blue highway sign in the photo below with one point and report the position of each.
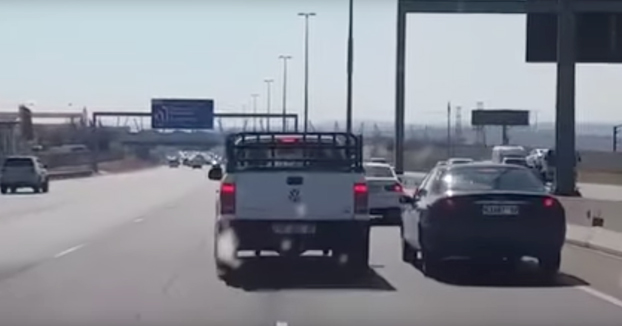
(182, 114)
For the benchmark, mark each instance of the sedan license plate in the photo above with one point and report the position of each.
(502, 210)
(293, 228)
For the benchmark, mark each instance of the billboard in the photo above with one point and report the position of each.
(500, 118)
(598, 37)
(182, 113)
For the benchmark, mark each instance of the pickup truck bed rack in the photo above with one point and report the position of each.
(257, 151)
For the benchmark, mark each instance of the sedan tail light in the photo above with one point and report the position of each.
(548, 202)
(446, 206)
(396, 187)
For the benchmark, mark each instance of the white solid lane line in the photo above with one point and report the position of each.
(600, 295)
(281, 323)
(138, 220)
(68, 251)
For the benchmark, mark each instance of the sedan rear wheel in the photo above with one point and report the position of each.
(549, 265)
(431, 264)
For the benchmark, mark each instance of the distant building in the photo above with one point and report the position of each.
(9, 137)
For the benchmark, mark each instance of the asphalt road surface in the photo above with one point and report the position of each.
(136, 249)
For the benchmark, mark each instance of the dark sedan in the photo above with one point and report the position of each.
(482, 211)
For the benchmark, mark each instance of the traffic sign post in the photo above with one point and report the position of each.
(182, 114)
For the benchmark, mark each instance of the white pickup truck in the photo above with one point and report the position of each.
(290, 193)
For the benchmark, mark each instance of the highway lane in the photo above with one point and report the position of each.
(36, 226)
(151, 264)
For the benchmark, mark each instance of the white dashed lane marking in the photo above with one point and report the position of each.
(600, 295)
(68, 251)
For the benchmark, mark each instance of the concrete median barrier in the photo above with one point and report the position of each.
(68, 174)
(595, 166)
(587, 212)
(107, 167)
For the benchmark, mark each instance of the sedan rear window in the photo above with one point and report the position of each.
(491, 178)
(379, 172)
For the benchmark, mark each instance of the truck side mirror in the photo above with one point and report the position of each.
(215, 173)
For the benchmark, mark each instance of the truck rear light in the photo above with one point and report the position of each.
(360, 188)
(227, 198)
(360, 198)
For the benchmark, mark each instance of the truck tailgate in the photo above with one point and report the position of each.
(295, 195)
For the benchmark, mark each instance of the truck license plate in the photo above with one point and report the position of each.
(293, 228)
(503, 210)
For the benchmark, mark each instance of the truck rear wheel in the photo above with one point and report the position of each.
(4, 189)
(358, 253)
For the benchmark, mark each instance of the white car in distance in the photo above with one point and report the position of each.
(385, 191)
(515, 161)
(459, 160)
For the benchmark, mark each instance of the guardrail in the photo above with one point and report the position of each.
(77, 173)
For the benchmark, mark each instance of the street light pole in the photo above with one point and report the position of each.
(254, 111)
(268, 83)
(285, 58)
(350, 67)
(306, 15)
(449, 130)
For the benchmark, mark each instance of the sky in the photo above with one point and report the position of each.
(117, 55)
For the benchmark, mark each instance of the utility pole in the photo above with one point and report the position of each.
(350, 67)
(254, 111)
(285, 58)
(245, 121)
(306, 15)
(268, 83)
(448, 130)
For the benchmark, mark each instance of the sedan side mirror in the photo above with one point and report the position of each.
(215, 173)
(419, 192)
(405, 199)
